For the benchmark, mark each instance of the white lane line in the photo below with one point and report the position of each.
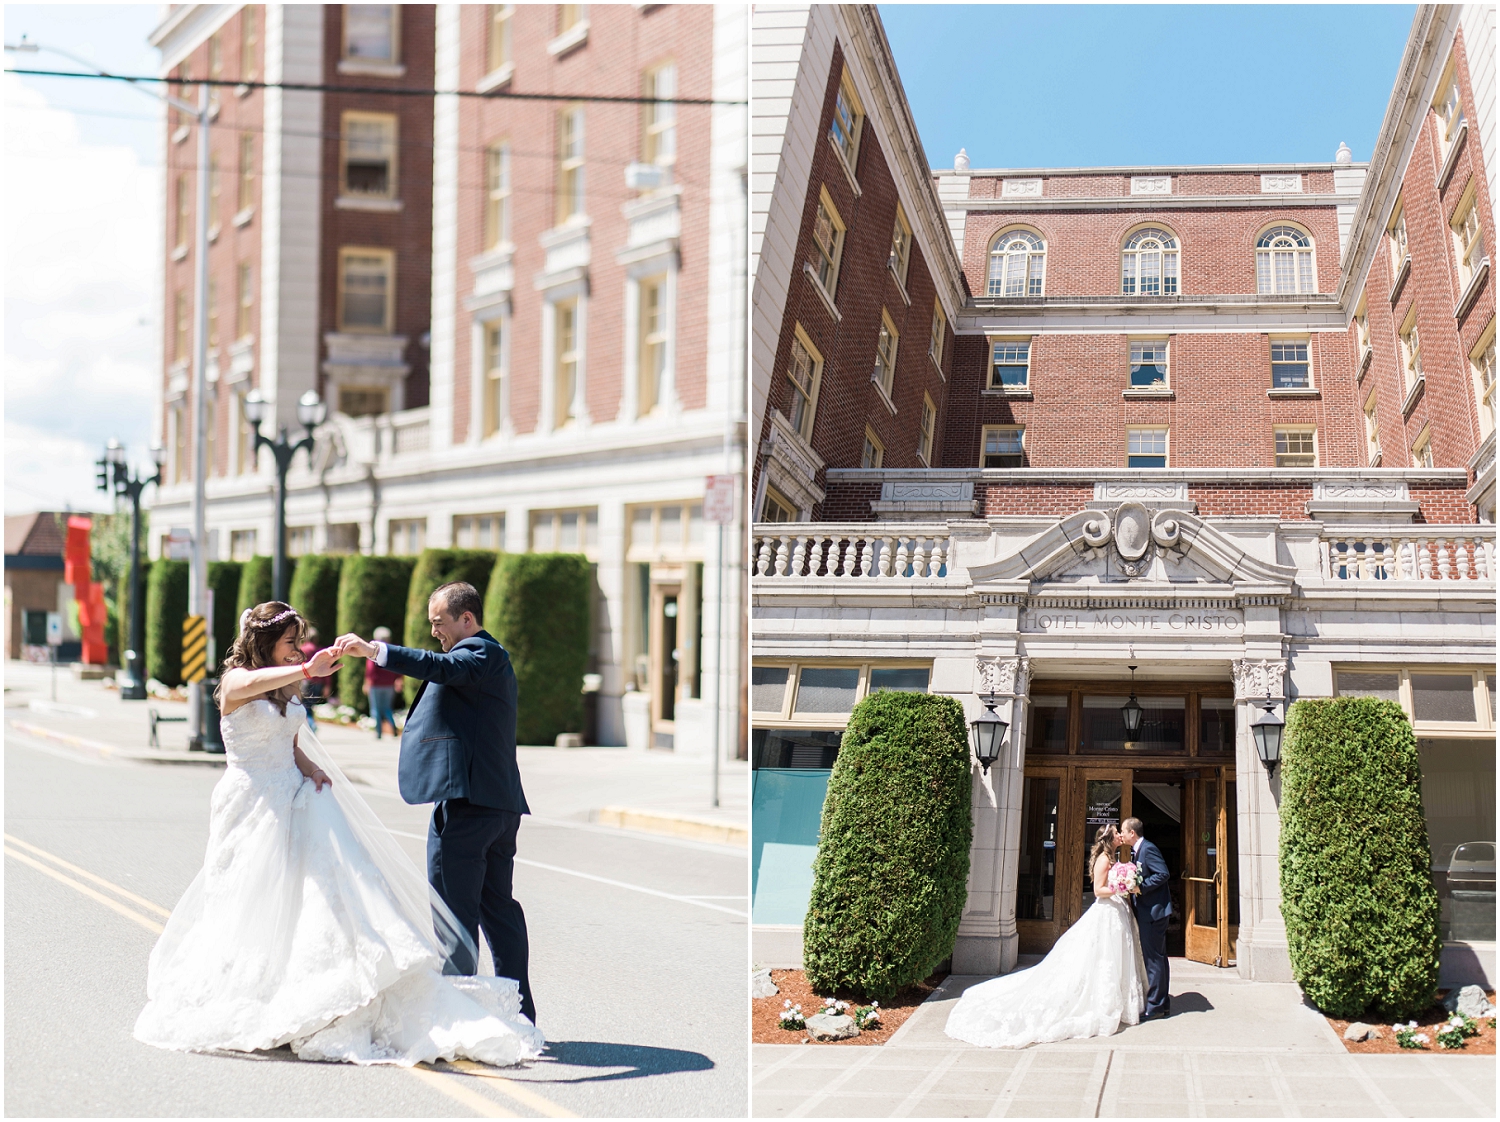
(113, 905)
(455, 1090)
(606, 880)
(100, 881)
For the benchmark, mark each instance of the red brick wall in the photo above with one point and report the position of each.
(407, 231)
(623, 43)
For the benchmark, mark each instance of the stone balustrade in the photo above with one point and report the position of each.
(903, 551)
(1420, 553)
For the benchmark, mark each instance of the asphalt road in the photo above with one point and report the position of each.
(638, 964)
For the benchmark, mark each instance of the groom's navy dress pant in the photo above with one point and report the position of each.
(1158, 972)
(471, 854)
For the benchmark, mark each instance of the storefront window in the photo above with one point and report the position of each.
(768, 688)
(1385, 686)
(1458, 798)
(795, 748)
(905, 679)
(1049, 724)
(1036, 883)
(827, 689)
(1443, 697)
(1162, 725)
(1215, 724)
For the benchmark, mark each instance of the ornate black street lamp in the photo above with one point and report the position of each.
(1266, 728)
(114, 476)
(1131, 712)
(987, 732)
(311, 413)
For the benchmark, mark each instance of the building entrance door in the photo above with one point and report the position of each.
(665, 662)
(1210, 873)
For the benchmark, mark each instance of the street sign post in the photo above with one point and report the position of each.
(54, 640)
(718, 508)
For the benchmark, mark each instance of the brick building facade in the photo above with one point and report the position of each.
(521, 298)
(1221, 437)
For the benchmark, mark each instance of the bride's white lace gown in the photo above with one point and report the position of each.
(290, 934)
(1091, 983)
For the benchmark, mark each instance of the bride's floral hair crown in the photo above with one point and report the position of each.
(247, 623)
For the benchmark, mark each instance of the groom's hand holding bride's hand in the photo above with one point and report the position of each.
(322, 664)
(354, 645)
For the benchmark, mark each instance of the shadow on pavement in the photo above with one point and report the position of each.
(1190, 1002)
(640, 1060)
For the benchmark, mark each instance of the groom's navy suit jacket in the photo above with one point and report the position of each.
(459, 741)
(1155, 900)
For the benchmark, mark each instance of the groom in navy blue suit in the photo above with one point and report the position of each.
(1152, 906)
(458, 751)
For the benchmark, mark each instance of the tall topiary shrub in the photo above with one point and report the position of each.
(122, 598)
(315, 593)
(1357, 895)
(166, 608)
(538, 609)
(224, 579)
(255, 584)
(891, 875)
(372, 593)
(436, 567)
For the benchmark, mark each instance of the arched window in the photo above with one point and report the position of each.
(1018, 260)
(1150, 263)
(1284, 261)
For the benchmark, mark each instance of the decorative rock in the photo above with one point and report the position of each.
(1470, 1001)
(1361, 1031)
(831, 1026)
(761, 984)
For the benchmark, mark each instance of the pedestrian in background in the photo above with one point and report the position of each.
(381, 686)
(314, 690)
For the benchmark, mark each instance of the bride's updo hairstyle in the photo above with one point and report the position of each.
(261, 627)
(1106, 840)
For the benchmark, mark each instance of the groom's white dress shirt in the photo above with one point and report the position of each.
(380, 652)
(1135, 849)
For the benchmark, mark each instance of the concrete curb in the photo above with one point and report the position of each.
(114, 751)
(678, 825)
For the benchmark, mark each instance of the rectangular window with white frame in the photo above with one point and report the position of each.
(1421, 450)
(1148, 364)
(873, 455)
(827, 245)
(299, 540)
(494, 351)
(372, 33)
(246, 198)
(1397, 232)
(652, 334)
(900, 255)
(1003, 446)
(1449, 107)
(249, 40)
(1146, 447)
(367, 155)
(183, 214)
(367, 290)
(1010, 363)
(938, 336)
(499, 53)
(213, 195)
(1291, 368)
(776, 507)
(497, 195)
(1482, 365)
(244, 450)
(927, 428)
(407, 536)
(1362, 330)
(805, 372)
(1372, 432)
(884, 372)
(244, 313)
(182, 323)
(241, 545)
(659, 118)
(569, 164)
(479, 531)
(848, 122)
(1468, 239)
(1411, 350)
(1296, 446)
(565, 531)
(801, 707)
(566, 347)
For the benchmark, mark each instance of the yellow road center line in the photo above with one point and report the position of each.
(115, 888)
(455, 1090)
(148, 924)
(512, 1087)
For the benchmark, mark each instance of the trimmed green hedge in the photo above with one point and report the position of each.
(122, 599)
(166, 608)
(224, 579)
(538, 608)
(255, 585)
(892, 870)
(436, 567)
(372, 593)
(1357, 895)
(314, 592)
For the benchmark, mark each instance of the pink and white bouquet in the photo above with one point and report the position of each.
(1125, 878)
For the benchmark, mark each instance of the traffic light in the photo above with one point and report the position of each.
(101, 474)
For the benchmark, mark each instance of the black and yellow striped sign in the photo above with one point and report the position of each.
(194, 649)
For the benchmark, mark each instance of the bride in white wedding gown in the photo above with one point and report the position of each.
(1091, 983)
(308, 925)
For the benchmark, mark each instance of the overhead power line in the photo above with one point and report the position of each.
(399, 91)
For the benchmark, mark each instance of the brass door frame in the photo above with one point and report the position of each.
(661, 654)
(1040, 932)
(1211, 944)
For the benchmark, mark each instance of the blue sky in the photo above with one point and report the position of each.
(1070, 86)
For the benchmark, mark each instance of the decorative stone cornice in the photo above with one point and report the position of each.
(1258, 678)
(1004, 677)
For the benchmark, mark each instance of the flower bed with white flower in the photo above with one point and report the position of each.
(1434, 1031)
(782, 1017)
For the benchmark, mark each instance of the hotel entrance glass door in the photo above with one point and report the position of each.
(1105, 799)
(1211, 926)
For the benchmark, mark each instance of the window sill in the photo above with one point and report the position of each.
(575, 36)
(844, 163)
(180, 253)
(496, 78)
(1413, 395)
(213, 233)
(884, 397)
(822, 292)
(1375, 460)
(244, 216)
(213, 108)
(936, 365)
(1142, 393)
(1364, 363)
(1401, 274)
(371, 68)
(1295, 391)
(182, 133)
(1020, 393)
(243, 90)
(1471, 290)
(359, 202)
(1451, 161)
(900, 284)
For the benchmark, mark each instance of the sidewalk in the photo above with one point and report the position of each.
(1231, 1048)
(656, 792)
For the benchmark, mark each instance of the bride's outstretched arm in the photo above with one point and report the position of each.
(241, 684)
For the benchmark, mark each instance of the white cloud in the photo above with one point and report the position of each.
(82, 322)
